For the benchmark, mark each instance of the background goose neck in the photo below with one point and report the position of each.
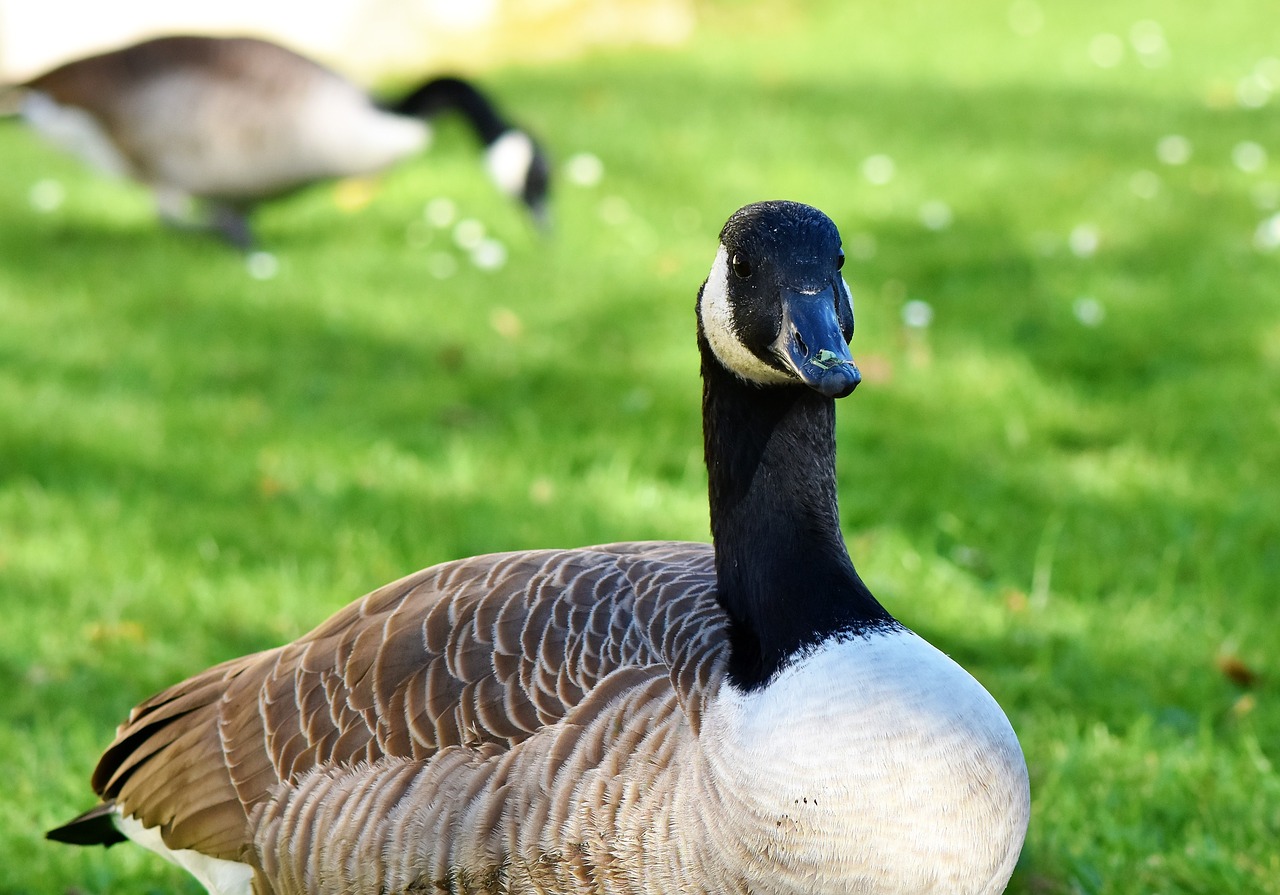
(454, 94)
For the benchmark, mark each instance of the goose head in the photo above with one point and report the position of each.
(513, 158)
(519, 168)
(775, 309)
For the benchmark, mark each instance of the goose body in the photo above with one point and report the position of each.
(236, 121)
(628, 718)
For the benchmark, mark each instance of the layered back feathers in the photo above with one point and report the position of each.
(494, 654)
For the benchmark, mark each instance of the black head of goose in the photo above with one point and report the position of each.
(235, 121)
(628, 718)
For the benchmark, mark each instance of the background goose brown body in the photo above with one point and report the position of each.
(235, 119)
(537, 667)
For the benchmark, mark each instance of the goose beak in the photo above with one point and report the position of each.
(813, 346)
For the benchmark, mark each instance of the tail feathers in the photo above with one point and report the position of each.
(10, 100)
(95, 827)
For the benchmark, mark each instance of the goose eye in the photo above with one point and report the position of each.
(741, 266)
(840, 259)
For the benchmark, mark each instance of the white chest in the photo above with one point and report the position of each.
(874, 765)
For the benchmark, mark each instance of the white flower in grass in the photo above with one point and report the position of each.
(917, 314)
(1084, 241)
(1173, 149)
(584, 169)
(440, 212)
(1249, 156)
(46, 195)
(468, 233)
(1267, 237)
(878, 169)
(1253, 91)
(936, 214)
(262, 265)
(490, 254)
(1089, 311)
(1148, 41)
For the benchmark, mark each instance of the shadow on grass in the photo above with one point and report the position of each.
(233, 379)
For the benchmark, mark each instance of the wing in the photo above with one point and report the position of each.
(481, 652)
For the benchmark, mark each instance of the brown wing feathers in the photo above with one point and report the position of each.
(478, 653)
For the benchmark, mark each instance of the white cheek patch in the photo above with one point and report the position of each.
(717, 324)
(75, 130)
(508, 159)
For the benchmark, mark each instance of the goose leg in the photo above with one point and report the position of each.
(232, 224)
(175, 209)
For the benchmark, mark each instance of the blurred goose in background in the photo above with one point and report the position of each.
(638, 718)
(236, 121)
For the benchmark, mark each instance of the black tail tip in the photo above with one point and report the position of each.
(95, 827)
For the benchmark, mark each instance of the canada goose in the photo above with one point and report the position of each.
(631, 718)
(234, 121)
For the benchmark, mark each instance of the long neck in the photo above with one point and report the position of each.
(783, 574)
(454, 94)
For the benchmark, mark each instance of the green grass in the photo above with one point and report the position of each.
(195, 463)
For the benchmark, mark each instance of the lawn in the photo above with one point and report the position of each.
(1063, 465)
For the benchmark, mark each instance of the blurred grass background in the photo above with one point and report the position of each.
(1062, 467)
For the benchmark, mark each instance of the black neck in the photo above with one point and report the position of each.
(454, 94)
(783, 574)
